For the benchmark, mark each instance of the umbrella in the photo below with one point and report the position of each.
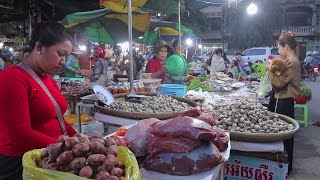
(105, 26)
(169, 28)
(121, 5)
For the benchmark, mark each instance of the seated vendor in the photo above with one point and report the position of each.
(156, 65)
(72, 67)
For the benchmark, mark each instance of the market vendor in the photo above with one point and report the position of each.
(100, 70)
(28, 118)
(286, 87)
(72, 67)
(156, 65)
(216, 61)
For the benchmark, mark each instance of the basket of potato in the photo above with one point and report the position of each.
(82, 157)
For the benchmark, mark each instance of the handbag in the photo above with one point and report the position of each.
(56, 106)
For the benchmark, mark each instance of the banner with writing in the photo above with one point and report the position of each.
(250, 168)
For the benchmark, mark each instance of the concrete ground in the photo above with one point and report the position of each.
(306, 159)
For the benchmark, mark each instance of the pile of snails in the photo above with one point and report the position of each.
(250, 118)
(151, 104)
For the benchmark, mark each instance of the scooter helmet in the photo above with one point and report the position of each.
(314, 53)
(99, 52)
(309, 53)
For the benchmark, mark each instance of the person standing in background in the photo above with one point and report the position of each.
(217, 62)
(285, 88)
(72, 67)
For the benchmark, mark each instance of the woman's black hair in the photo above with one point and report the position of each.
(49, 34)
(288, 38)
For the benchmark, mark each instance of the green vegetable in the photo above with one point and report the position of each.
(196, 83)
(305, 91)
(260, 70)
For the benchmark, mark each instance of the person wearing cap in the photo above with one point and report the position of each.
(156, 65)
(72, 67)
(100, 70)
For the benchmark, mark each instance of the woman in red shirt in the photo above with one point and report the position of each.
(156, 64)
(28, 118)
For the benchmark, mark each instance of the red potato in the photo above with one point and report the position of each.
(62, 138)
(121, 165)
(71, 141)
(65, 168)
(52, 166)
(64, 158)
(102, 175)
(80, 149)
(86, 171)
(113, 150)
(117, 172)
(97, 148)
(120, 141)
(121, 178)
(77, 163)
(78, 135)
(113, 178)
(110, 162)
(98, 140)
(44, 154)
(54, 150)
(96, 135)
(82, 138)
(44, 162)
(96, 159)
(110, 141)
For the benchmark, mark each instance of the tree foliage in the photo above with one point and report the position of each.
(247, 31)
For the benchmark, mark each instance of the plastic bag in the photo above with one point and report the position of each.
(32, 172)
(264, 87)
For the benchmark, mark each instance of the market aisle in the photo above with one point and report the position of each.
(307, 141)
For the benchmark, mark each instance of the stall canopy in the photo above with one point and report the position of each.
(106, 26)
(169, 28)
(149, 38)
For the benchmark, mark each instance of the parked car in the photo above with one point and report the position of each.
(259, 53)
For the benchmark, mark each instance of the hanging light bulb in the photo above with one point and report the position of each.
(252, 9)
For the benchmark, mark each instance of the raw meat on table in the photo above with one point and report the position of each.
(188, 127)
(171, 144)
(201, 159)
(138, 136)
(208, 117)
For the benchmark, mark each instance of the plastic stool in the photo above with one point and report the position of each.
(304, 117)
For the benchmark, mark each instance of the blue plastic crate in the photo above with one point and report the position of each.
(173, 89)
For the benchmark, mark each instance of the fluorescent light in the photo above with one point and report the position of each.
(11, 49)
(140, 37)
(189, 42)
(83, 47)
(200, 46)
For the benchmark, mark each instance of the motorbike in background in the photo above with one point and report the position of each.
(311, 74)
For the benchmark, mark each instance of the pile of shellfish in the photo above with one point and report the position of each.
(250, 118)
(151, 104)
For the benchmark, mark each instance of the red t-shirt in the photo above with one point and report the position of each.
(28, 118)
(154, 65)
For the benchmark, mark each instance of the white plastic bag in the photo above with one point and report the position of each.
(264, 87)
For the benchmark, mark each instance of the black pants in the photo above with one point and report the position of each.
(10, 168)
(285, 107)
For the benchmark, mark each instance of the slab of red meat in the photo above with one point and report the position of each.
(138, 135)
(195, 112)
(222, 140)
(188, 127)
(201, 159)
(209, 117)
(171, 144)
